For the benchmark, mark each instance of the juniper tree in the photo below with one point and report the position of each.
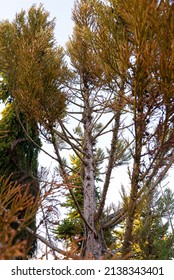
(19, 163)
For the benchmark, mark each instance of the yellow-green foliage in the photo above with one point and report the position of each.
(33, 65)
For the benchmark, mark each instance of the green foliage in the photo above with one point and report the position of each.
(73, 225)
(154, 231)
(69, 229)
(17, 153)
(19, 159)
(4, 92)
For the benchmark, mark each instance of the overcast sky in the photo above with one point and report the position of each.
(60, 9)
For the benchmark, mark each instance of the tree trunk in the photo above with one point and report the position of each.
(128, 236)
(139, 129)
(93, 244)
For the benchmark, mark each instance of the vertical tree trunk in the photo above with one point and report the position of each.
(93, 244)
(128, 236)
(139, 129)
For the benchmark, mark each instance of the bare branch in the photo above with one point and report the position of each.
(100, 132)
(110, 164)
(38, 146)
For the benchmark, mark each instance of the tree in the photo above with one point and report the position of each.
(38, 64)
(93, 101)
(19, 160)
(89, 106)
(27, 45)
(132, 45)
(153, 230)
(119, 89)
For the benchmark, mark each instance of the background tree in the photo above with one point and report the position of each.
(19, 158)
(154, 230)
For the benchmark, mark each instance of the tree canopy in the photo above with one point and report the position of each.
(112, 105)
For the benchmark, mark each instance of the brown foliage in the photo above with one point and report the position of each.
(14, 201)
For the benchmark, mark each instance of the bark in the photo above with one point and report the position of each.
(93, 244)
(139, 129)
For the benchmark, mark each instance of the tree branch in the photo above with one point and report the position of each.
(100, 132)
(50, 245)
(38, 146)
